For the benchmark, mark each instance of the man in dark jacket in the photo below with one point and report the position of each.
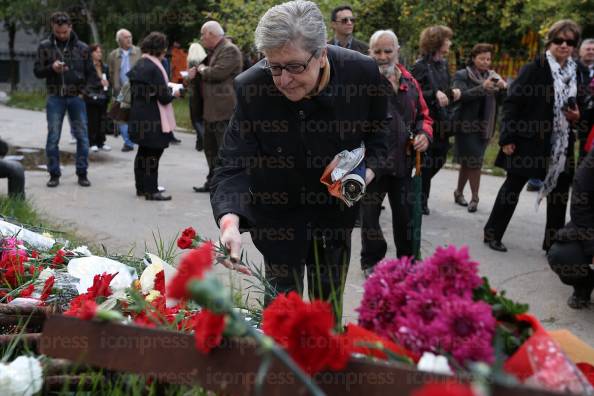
(343, 24)
(296, 109)
(409, 119)
(14, 172)
(572, 255)
(66, 64)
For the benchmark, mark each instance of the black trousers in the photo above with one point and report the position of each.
(327, 264)
(373, 243)
(572, 264)
(213, 140)
(146, 169)
(507, 200)
(433, 160)
(96, 119)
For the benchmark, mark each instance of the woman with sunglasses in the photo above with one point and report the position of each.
(536, 137)
(296, 109)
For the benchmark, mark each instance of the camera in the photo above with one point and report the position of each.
(495, 79)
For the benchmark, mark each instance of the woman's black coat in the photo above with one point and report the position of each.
(275, 152)
(528, 121)
(470, 107)
(147, 86)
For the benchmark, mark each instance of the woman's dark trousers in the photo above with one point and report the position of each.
(146, 169)
(507, 200)
(96, 127)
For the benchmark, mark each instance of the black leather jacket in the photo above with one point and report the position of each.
(76, 55)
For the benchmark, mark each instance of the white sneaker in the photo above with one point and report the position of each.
(105, 147)
(94, 149)
(72, 140)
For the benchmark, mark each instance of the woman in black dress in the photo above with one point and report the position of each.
(96, 100)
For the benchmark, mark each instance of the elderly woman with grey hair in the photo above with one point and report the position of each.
(296, 109)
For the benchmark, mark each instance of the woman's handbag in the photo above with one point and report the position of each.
(120, 110)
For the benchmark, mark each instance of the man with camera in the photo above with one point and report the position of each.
(217, 89)
(66, 64)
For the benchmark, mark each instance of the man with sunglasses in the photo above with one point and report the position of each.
(67, 66)
(296, 109)
(343, 23)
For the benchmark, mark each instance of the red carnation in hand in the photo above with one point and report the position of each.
(208, 330)
(306, 331)
(26, 292)
(192, 266)
(189, 233)
(184, 242)
(100, 286)
(47, 288)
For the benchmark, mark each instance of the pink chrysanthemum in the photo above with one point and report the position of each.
(469, 329)
(454, 268)
(428, 306)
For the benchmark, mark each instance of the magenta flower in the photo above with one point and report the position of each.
(428, 306)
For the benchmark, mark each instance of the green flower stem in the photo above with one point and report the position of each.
(269, 346)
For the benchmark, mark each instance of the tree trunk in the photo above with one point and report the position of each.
(87, 8)
(14, 71)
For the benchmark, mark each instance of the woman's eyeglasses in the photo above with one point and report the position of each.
(293, 68)
(560, 41)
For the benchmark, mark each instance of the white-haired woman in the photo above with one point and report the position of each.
(296, 109)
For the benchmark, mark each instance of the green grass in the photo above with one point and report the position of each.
(34, 100)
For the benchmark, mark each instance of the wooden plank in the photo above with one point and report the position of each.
(229, 369)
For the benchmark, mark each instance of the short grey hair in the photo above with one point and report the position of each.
(214, 27)
(376, 36)
(119, 34)
(300, 22)
(587, 42)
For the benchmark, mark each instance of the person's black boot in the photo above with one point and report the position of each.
(54, 181)
(204, 188)
(83, 181)
(157, 197)
(579, 299)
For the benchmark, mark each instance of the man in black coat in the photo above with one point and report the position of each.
(296, 109)
(66, 64)
(572, 255)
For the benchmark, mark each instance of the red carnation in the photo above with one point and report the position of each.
(100, 286)
(26, 292)
(192, 266)
(82, 307)
(47, 288)
(276, 317)
(189, 233)
(305, 330)
(58, 258)
(160, 282)
(449, 388)
(184, 242)
(208, 330)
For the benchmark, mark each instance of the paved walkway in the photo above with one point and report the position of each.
(110, 213)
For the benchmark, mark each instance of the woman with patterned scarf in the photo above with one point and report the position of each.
(537, 137)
